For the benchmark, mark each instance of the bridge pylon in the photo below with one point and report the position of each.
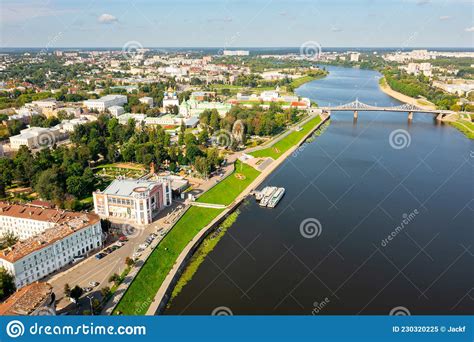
(410, 116)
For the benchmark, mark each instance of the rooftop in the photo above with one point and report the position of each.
(26, 300)
(125, 187)
(64, 224)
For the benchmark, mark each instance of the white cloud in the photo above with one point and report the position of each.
(445, 17)
(469, 29)
(107, 19)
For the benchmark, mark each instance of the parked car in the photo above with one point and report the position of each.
(78, 258)
(137, 254)
(100, 255)
(94, 283)
(123, 238)
(143, 246)
(87, 289)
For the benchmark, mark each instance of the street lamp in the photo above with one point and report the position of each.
(90, 303)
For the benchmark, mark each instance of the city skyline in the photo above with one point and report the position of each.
(231, 24)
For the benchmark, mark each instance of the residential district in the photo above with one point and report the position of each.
(108, 159)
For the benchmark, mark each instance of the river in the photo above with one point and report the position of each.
(325, 249)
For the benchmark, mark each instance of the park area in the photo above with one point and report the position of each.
(287, 142)
(127, 170)
(227, 190)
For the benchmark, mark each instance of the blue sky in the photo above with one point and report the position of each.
(227, 24)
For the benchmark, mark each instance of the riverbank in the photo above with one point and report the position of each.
(160, 269)
(298, 82)
(404, 98)
(465, 126)
(199, 256)
(164, 293)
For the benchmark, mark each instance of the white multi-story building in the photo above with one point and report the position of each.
(35, 137)
(116, 110)
(355, 56)
(236, 53)
(417, 68)
(49, 103)
(124, 118)
(49, 240)
(172, 120)
(70, 125)
(105, 102)
(138, 201)
(146, 100)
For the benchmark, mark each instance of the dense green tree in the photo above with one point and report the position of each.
(7, 284)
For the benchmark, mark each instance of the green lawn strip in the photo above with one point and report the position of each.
(466, 127)
(229, 188)
(287, 142)
(204, 249)
(297, 82)
(144, 287)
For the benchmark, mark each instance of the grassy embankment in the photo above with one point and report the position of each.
(287, 142)
(298, 82)
(227, 190)
(144, 287)
(206, 247)
(466, 127)
(141, 292)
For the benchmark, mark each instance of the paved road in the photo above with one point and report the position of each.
(94, 270)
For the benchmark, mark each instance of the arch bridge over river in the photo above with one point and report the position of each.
(356, 106)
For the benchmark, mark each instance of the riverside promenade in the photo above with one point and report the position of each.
(163, 295)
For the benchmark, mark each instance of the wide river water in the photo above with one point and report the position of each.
(355, 189)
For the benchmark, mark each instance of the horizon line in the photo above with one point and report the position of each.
(238, 47)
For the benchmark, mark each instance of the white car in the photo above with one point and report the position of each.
(137, 254)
